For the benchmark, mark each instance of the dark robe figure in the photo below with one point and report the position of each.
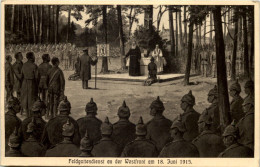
(135, 56)
(9, 77)
(17, 67)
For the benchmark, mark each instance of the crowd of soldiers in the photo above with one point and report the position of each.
(190, 134)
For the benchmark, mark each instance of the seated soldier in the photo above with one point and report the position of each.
(140, 147)
(152, 78)
(76, 75)
(14, 143)
(86, 146)
(179, 147)
(66, 148)
(106, 147)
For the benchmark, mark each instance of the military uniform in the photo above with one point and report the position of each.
(17, 67)
(14, 144)
(9, 80)
(213, 111)
(204, 63)
(237, 151)
(236, 109)
(86, 146)
(214, 62)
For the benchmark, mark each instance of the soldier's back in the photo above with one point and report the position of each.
(32, 149)
(237, 151)
(106, 148)
(56, 80)
(63, 150)
(92, 125)
(140, 148)
(43, 71)
(179, 148)
(29, 70)
(158, 130)
(209, 144)
(123, 132)
(213, 111)
(236, 109)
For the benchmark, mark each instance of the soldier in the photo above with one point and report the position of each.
(14, 143)
(11, 120)
(246, 125)
(249, 89)
(123, 129)
(236, 109)
(56, 86)
(90, 123)
(86, 146)
(228, 63)
(213, 110)
(31, 146)
(9, 77)
(233, 148)
(152, 78)
(29, 90)
(158, 128)
(106, 147)
(52, 133)
(208, 143)
(17, 67)
(214, 62)
(85, 68)
(140, 147)
(44, 67)
(190, 117)
(38, 109)
(179, 147)
(66, 148)
(204, 63)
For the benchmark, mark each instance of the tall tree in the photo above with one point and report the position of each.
(160, 14)
(12, 18)
(53, 23)
(223, 99)
(245, 39)
(57, 24)
(252, 37)
(172, 39)
(48, 24)
(41, 22)
(104, 68)
(177, 33)
(185, 25)
(205, 28)
(211, 25)
(68, 25)
(180, 28)
(33, 24)
(121, 36)
(234, 56)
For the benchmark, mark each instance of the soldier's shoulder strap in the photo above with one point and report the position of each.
(54, 74)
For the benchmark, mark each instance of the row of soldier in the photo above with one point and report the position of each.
(189, 135)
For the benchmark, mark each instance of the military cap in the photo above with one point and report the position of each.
(106, 127)
(12, 101)
(14, 139)
(249, 100)
(123, 111)
(64, 104)
(188, 98)
(214, 91)
(31, 126)
(85, 143)
(91, 107)
(231, 130)
(157, 104)
(249, 84)
(178, 124)
(38, 105)
(30, 55)
(68, 129)
(152, 59)
(205, 117)
(140, 127)
(235, 86)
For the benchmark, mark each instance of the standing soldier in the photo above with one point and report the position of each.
(158, 128)
(44, 67)
(17, 67)
(236, 109)
(140, 147)
(208, 143)
(204, 62)
(106, 147)
(30, 78)
(31, 146)
(65, 148)
(123, 129)
(85, 68)
(90, 123)
(38, 109)
(56, 86)
(52, 133)
(14, 143)
(9, 77)
(179, 147)
(249, 89)
(86, 146)
(246, 125)
(233, 148)
(190, 117)
(228, 63)
(213, 63)
(11, 120)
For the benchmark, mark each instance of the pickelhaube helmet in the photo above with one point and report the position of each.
(214, 91)
(123, 111)
(86, 144)
(205, 117)
(106, 127)
(14, 139)
(31, 126)
(64, 105)
(12, 101)
(91, 107)
(177, 123)
(231, 130)
(68, 129)
(235, 86)
(157, 104)
(38, 105)
(249, 84)
(140, 127)
(188, 98)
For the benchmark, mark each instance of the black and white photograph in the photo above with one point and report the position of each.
(130, 81)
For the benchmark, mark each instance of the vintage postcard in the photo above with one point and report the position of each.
(130, 83)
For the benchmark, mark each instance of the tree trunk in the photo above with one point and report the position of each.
(188, 61)
(18, 17)
(185, 26)
(223, 99)
(54, 23)
(205, 27)
(197, 35)
(68, 25)
(180, 28)
(211, 25)
(22, 29)
(172, 39)
(57, 24)
(27, 22)
(234, 56)
(130, 22)
(252, 48)
(12, 18)
(224, 25)
(121, 36)
(41, 21)
(33, 25)
(200, 34)
(240, 29)
(36, 23)
(150, 18)
(177, 33)
(48, 24)
(104, 59)
(246, 61)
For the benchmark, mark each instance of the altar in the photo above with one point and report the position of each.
(144, 65)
